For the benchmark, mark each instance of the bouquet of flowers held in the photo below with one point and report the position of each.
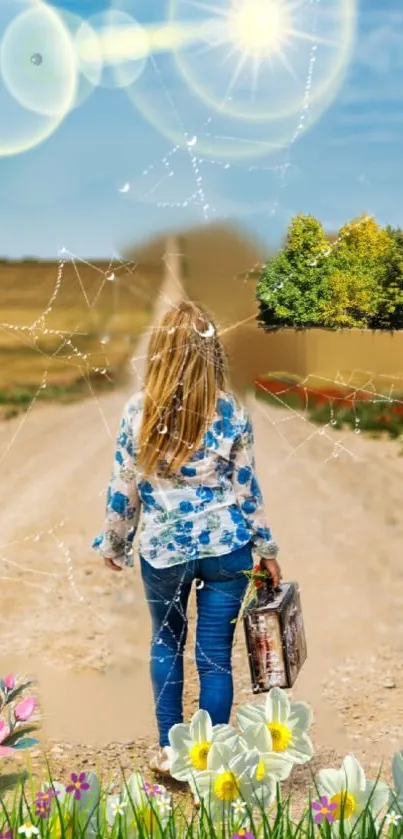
(258, 578)
(17, 724)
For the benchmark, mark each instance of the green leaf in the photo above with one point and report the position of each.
(10, 781)
(18, 691)
(18, 733)
(25, 743)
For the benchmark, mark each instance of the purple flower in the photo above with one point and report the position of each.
(243, 834)
(78, 785)
(43, 802)
(5, 834)
(324, 810)
(153, 790)
(48, 794)
(42, 809)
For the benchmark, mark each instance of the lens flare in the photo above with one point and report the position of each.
(258, 27)
(121, 44)
(46, 85)
(89, 76)
(254, 59)
(37, 74)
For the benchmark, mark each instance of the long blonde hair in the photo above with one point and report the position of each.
(186, 369)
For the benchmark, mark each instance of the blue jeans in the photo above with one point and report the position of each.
(218, 603)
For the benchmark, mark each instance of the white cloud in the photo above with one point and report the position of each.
(370, 119)
(355, 94)
(381, 49)
(372, 136)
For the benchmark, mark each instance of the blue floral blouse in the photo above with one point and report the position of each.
(213, 506)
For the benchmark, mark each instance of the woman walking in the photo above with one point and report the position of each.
(184, 457)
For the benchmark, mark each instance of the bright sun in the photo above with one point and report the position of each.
(258, 27)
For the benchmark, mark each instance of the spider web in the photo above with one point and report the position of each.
(45, 571)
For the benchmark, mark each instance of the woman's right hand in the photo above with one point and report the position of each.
(273, 568)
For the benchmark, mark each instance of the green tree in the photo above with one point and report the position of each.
(389, 314)
(291, 284)
(353, 287)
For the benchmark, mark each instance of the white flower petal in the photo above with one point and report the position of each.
(300, 750)
(135, 790)
(355, 776)
(250, 714)
(201, 727)
(111, 802)
(63, 798)
(277, 706)
(397, 769)
(277, 766)
(179, 737)
(301, 716)
(201, 785)
(378, 792)
(224, 733)
(258, 737)
(181, 767)
(89, 798)
(330, 781)
(219, 756)
(264, 793)
(244, 764)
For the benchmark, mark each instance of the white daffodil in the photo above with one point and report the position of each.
(230, 776)
(139, 803)
(164, 805)
(397, 794)
(392, 819)
(348, 788)
(115, 806)
(287, 723)
(28, 829)
(271, 763)
(191, 744)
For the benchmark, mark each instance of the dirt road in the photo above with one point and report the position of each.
(334, 502)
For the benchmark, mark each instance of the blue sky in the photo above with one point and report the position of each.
(65, 191)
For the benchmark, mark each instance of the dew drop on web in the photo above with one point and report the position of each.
(36, 59)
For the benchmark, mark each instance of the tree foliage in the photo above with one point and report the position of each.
(354, 281)
(291, 284)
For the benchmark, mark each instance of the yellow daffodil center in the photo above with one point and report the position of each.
(346, 804)
(198, 755)
(147, 817)
(226, 787)
(281, 736)
(57, 831)
(150, 819)
(260, 772)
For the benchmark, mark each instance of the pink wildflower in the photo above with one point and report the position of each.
(24, 710)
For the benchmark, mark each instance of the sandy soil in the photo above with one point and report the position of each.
(334, 502)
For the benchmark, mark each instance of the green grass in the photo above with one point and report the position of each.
(18, 806)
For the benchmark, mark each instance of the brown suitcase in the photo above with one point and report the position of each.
(275, 637)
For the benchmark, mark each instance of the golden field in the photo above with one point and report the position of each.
(68, 326)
